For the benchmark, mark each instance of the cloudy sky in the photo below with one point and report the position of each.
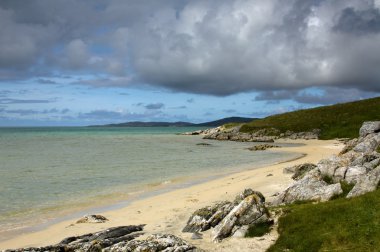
(80, 62)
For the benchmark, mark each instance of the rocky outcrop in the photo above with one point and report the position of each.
(207, 217)
(365, 184)
(314, 134)
(310, 187)
(369, 128)
(262, 147)
(227, 218)
(93, 218)
(357, 164)
(260, 135)
(154, 243)
(117, 239)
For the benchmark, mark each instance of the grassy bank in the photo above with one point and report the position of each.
(338, 225)
(336, 121)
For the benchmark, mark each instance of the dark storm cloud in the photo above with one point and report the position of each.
(359, 22)
(208, 47)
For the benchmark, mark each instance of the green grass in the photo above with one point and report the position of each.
(378, 149)
(336, 121)
(338, 225)
(259, 229)
(328, 179)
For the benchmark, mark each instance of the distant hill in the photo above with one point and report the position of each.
(225, 121)
(180, 124)
(336, 121)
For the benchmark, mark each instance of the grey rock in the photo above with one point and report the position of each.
(365, 184)
(249, 211)
(353, 173)
(369, 127)
(93, 218)
(92, 242)
(207, 217)
(240, 232)
(328, 166)
(154, 243)
(368, 144)
(310, 187)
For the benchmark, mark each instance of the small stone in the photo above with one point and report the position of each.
(92, 218)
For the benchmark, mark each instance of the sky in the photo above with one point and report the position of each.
(84, 62)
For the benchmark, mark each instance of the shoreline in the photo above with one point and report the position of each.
(167, 212)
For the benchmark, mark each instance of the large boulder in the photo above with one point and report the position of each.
(311, 187)
(368, 144)
(92, 242)
(251, 210)
(154, 243)
(365, 184)
(247, 209)
(369, 127)
(207, 217)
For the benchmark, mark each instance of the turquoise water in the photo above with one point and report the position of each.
(45, 172)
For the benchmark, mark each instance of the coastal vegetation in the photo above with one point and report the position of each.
(335, 121)
(337, 225)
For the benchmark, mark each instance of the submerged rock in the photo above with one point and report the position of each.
(262, 147)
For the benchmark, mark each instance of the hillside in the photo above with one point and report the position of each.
(336, 121)
(180, 124)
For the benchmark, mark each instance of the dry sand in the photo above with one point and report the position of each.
(169, 212)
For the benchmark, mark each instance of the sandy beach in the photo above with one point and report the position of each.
(169, 212)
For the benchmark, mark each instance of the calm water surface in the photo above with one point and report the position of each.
(45, 172)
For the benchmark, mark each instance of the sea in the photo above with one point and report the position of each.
(47, 173)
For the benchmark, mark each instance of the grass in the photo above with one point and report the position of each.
(259, 229)
(378, 149)
(338, 225)
(336, 121)
(328, 179)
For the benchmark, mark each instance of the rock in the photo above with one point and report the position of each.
(154, 243)
(328, 166)
(349, 146)
(207, 217)
(262, 147)
(368, 145)
(310, 187)
(93, 218)
(366, 183)
(241, 232)
(203, 144)
(92, 242)
(249, 211)
(369, 127)
(299, 170)
(353, 173)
